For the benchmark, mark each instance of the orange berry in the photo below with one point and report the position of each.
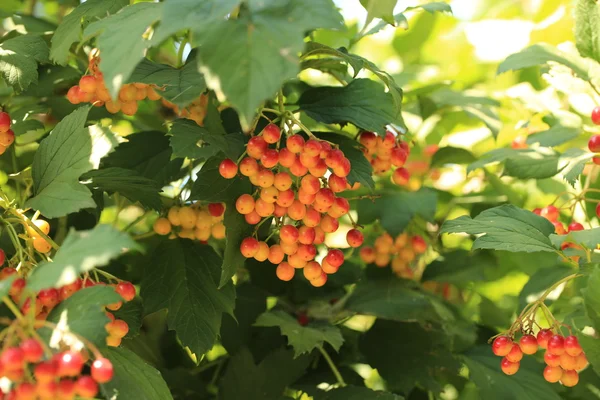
(285, 271)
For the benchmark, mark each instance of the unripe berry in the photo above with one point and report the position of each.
(304, 197)
(286, 198)
(567, 362)
(263, 252)
(569, 378)
(286, 158)
(245, 204)
(310, 184)
(502, 345)
(596, 115)
(329, 224)
(252, 218)
(289, 248)
(117, 328)
(367, 254)
(249, 166)
(276, 254)
(312, 218)
(355, 238)
(187, 216)
(543, 336)
(572, 346)
(102, 370)
(313, 148)
(282, 181)
(515, 354)
(263, 208)
(296, 261)
(320, 281)
(249, 247)
(582, 362)
(298, 169)
(307, 252)
(73, 95)
(312, 270)
(228, 169)
(328, 268)
(556, 345)
(295, 143)
(40, 244)
(508, 367)
(559, 228)
(7, 138)
(319, 235)
(296, 210)
(337, 184)
(285, 271)
(318, 170)
(271, 133)
(339, 208)
(306, 234)
(553, 374)
(173, 216)
(265, 178)
(162, 226)
(528, 344)
(324, 197)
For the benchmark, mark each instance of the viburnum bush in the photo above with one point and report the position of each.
(241, 199)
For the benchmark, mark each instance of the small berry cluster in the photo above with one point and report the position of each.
(385, 153)
(48, 299)
(40, 243)
(564, 356)
(305, 208)
(551, 213)
(7, 136)
(36, 373)
(400, 252)
(196, 111)
(91, 89)
(195, 222)
(594, 142)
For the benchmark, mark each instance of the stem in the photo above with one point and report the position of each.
(13, 154)
(551, 288)
(37, 230)
(135, 222)
(12, 307)
(332, 366)
(144, 235)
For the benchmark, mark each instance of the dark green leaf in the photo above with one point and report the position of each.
(69, 151)
(396, 209)
(187, 135)
(452, 155)
(460, 267)
(587, 28)
(180, 86)
(69, 30)
(29, 125)
(236, 332)
(133, 378)
(84, 314)
(237, 230)
(211, 186)
(303, 339)
(363, 103)
(591, 296)
(183, 278)
(81, 252)
(131, 312)
(18, 60)
(355, 393)
(505, 228)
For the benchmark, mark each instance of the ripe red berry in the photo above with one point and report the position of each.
(69, 363)
(594, 144)
(543, 336)
(66, 389)
(302, 319)
(45, 371)
(12, 359)
(2, 257)
(418, 244)
(552, 374)
(528, 344)
(256, 147)
(295, 143)
(49, 297)
(596, 160)
(551, 359)
(4, 122)
(270, 158)
(249, 247)
(228, 168)
(271, 133)
(556, 345)
(572, 346)
(515, 354)
(335, 258)
(32, 350)
(86, 387)
(508, 367)
(25, 391)
(126, 290)
(596, 115)
(289, 234)
(355, 238)
(400, 176)
(216, 209)
(550, 213)
(575, 226)
(102, 370)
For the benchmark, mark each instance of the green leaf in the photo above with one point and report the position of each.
(303, 339)
(505, 228)
(452, 155)
(69, 30)
(363, 103)
(460, 268)
(180, 86)
(591, 296)
(361, 170)
(19, 57)
(540, 54)
(527, 384)
(556, 135)
(237, 230)
(588, 238)
(496, 155)
(212, 187)
(183, 278)
(69, 151)
(81, 252)
(396, 209)
(391, 299)
(133, 378)
(120, 41)
(131, 312)
(149, 154)
(541, 280)
(127, 183)
(435, 6)
(84, 314)
(355, 393)
(408, 363)
(573, 161)
(540, 164)
(587, 28)
(383, 9)
(243, 379)
(262, 50)
(237, 331)
(186, 135)
(22, 127)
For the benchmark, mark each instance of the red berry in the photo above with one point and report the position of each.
(302, 319)
(596, 115)
(528, 344)
(550, 213)
(7, 138)
(594, 144)
(537, 211)
(572, 346)
(270, 158)
(86, 387)
(126, 290)
(249, 247)
(596, 160)
(256, 147)
(515, 354)
(355, 238)
(32, 350)
(12, 358)
(551, 359)
(295, 143)
(400, 176)
(25, 391)
(271, 133)
(289, 234)
(575, 226)
(216, 209)
(552, 374)
(335, 257)
(543, 336)
(312, 147)
(4, 122)
(88, 84)
(102, 370)
(556, 345)
(66, 389)
(45, 371)
(228, 168)
(2, 257)
(508, 367)
(69, 363)
(418, 244)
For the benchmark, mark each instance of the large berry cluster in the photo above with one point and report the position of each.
(564, 356)
(7, 136)
(292, 187)
(400, 252)
(194, 222)
(47, 299)
(91, 89)
(385, 153)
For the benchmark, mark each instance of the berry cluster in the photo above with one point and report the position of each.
(91, 89)
(594, 142)
(36, 373)
(40, 243)
(292, 187)
(551, 213)
(383, 153)
(47, 299)
(564, 356)
(195, 222)
(400, 251)
(196, 111)
(7, 136)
